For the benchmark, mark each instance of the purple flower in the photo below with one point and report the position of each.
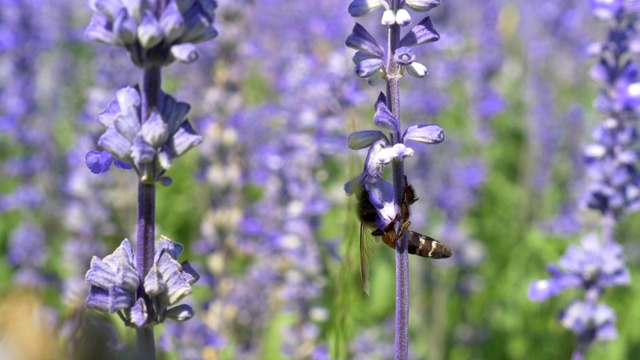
(359, 8)
(593, 266)
(27, 251)
(422, 5)
(613, 188)
(114, 282)
(153, 144)
(361, 40)
(404, 56)
(190, 339)
(590, 321)
(100, 162)
(606, 9)
(113, 279)
(152, 36)
(422, 33)
(381, 151)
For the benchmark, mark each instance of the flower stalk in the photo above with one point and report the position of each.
(145, 246)
(376, 63)
(402, 254)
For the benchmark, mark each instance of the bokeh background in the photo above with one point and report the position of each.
(260, 205)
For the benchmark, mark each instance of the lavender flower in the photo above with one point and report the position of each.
(27, 252)
(114, 283)
(192, 339)
(594, 267)
(611, 161)
(375, 63)
(150, 146)
(30, 33)
(146, 129)
(613, 189)
(277, 150)
(153, 32)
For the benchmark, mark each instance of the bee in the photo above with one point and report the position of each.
(419, 244)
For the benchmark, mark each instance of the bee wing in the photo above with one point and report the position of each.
(366, 249)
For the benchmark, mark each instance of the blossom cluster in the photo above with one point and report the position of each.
(612, 160)
(114, 283)
(611, 164)
(594, 267)
(151, 33)
(150, 146)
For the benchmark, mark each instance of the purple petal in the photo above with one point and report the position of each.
(422, 33)
(184, 139)
(173, 112)
(150, 32)
(98, 162)
(368, 67)
(125, 27)
(115, 143)
(181, 312)
(172, 23)
(185, 53)
(361, 56)
(404, 56)
(97, 299)
(142, 152)
(360, 39)
(154, 131)
(120, 299)
(606, 9)
(154, 284)
(424, 133)
(383, 117)
(541, 290)
(122, 165)
(359, 8)
(99, 29)
(139, 313)
(189, 273)
(362, 139)
(422, 5)
(173, 248)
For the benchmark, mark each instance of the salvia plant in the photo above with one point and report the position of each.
(146, 129)
(613, 190)
(268, 273)
(387, 146)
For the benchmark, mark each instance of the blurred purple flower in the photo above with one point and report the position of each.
(606, 9)
(28, 252)
(613, 188)
(593, 267)
(191, 339)
(273, 150)
(590, 321)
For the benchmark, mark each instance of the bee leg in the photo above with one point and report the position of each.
(405, 225)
